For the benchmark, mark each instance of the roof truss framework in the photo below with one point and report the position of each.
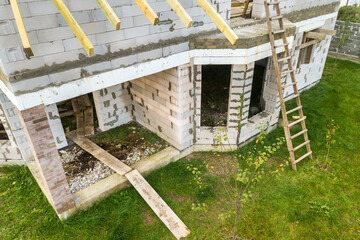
(115, 21)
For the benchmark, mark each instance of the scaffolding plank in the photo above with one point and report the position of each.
(79, 33)
(158, 205)
(21, 28)
(99, 153)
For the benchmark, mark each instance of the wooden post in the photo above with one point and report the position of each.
(220, 23)
(79, 33)
(180, 11)
(148, 11)
(109, 13)
(21, 28)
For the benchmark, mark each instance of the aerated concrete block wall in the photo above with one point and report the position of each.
(308, 74)
(15, 130)
(54, 43)
(350, 34)
(113, 106)
(163, 103)
(239, 101)
(9, 152)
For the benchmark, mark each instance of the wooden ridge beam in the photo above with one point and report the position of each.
(21, 28)
(109, 13)
(148, 11)
(79, 33)
(180, 11)
(220, 23)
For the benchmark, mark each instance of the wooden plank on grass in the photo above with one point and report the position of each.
(21, 28)
(99, 153)
(79, 33)
(158, 205)
(220, 23)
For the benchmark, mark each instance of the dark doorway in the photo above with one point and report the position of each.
(215, 85)
(256, 100)
(3, 134)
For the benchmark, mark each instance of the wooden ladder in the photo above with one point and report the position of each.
(279, 75)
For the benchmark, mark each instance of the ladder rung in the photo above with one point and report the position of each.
(292, 97)
(273, 3)
(297, 121)
(293, 110)
(301, 145)
(286, 73)
(284, 59)
(304, 156)
(276, 17)
(282, 45)
(279, 31)
(298, 134)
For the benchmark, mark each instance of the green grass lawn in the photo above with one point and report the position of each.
(306, 204)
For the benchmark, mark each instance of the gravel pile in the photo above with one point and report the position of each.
(82, 169)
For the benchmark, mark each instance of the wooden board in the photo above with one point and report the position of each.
(316, 35)
(158, 205)
(84, 115)
(326, 31)
(148, 11)
(99, 153)
(21, 28)
(220, 23)
(180, 11)
(109, 13)
(79, 33)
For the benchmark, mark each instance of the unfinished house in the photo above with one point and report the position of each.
(181, 69)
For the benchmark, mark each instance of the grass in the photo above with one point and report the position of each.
(349, 14)
(127, 134)
(306, 204)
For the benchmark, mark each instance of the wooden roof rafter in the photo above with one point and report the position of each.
(220, 23)
(21, 28)
(180, 11)
(79, 33)
(109, 13)
(148, 11)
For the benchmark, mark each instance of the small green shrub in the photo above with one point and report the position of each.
(349, 14)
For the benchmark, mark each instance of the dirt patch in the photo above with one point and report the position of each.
(147, 218)
(177, 198)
